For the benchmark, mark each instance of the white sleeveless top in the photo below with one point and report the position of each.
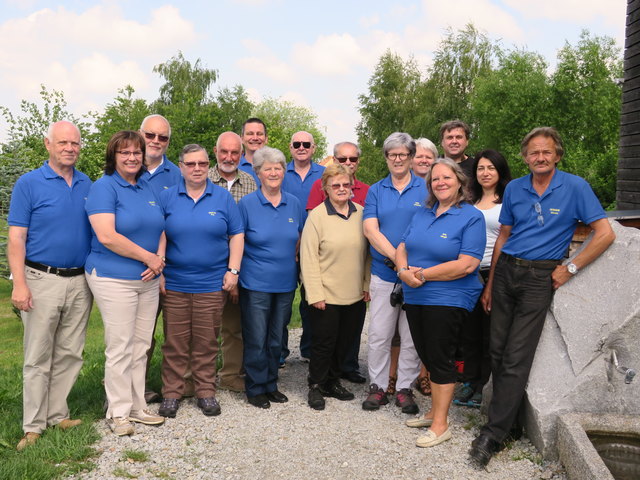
(491, 217)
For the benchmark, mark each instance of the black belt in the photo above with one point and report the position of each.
(62, 272)
(521, 262)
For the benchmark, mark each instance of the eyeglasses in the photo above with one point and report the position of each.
(338, 186)
(304, 144)
(401, 156)
(127, 153)
(152, 136)
(344, 159)
(194, 164)
(538, 209)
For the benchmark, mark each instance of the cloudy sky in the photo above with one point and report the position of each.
(319, 54)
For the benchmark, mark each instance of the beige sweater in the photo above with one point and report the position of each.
(333, 257)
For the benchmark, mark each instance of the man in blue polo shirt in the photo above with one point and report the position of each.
(300, 176)
(49, 240)
(161, 173)
(254, 137)
(539, 215)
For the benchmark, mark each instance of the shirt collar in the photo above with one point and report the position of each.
(264, 201)
(332, 211)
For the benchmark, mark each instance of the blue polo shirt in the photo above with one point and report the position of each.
(394, 211)
(166, 176)
(567, 200)
(138, 217)
(59, 234)
(198, 237)
(270, 238)
(432, 240)
(299, 188)
(245, 166)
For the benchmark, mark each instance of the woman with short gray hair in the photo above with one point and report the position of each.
(273, 220)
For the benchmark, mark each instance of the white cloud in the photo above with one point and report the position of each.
(264, 62)
(296, 98)
(370, 21)
(574, 11)
(329, 55)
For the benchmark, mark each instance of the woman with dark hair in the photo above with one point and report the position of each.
(127, 255)
(492, 175)
(438, 259)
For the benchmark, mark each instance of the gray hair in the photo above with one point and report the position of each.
(427, 145)
(268, 155)
(399, 139)
(192, 148)
(155, 115)
(302, 131)
(463, 192)
(53, 125)
(338, 146)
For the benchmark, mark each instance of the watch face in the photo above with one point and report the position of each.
(572, 269)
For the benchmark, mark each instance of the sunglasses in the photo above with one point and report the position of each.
(344, 159)
(152, 136)
(298, 144)
(193, 164)
(337, 186)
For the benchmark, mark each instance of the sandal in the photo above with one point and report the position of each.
(391, 387)
(424, 385)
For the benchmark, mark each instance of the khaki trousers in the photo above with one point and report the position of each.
(54, 333)
(128, 309)
(231, 373)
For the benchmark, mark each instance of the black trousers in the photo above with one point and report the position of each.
(332, 334)
(475, 345)
(519, 303)
(435, 330)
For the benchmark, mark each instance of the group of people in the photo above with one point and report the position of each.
(454, 257)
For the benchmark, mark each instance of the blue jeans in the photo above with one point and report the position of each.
(263, 316)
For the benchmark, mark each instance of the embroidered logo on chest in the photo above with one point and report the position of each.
(443, 235)
(212, 213)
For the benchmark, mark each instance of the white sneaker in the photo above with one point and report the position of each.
(121, 426)
(146, 417)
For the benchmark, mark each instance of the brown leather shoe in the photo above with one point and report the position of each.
(30, 438)
(67, 423)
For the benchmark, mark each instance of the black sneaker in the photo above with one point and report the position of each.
(405, 400)
(169, 407)
(209, 406)
(315, 398)
(376, 398)
(336, 390)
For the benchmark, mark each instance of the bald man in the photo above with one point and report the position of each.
(225, 173)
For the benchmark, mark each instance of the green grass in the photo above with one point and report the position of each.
(135, 455)
(58, 453)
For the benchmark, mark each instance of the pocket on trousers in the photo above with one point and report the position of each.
(31, 274)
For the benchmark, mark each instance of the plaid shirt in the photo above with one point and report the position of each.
(243, 185)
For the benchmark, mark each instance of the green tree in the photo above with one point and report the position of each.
(461, 59)
(586, 102)
(391, 105)
(508, 101)
(283, 119)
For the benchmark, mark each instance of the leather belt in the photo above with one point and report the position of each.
(61, 272)
(521, 262)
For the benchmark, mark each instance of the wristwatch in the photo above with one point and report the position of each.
(572, 268)
(233, 270)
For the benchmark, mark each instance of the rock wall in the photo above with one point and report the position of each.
(596, 311)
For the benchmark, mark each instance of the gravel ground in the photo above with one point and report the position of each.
(293, 441)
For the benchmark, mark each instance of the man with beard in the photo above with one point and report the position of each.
(227, 174)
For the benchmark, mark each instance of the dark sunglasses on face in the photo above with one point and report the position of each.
(338, 186)
(344, 159)
(304, 144)
(151, 136)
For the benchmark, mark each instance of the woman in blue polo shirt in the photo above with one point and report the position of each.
(273, 220)
(438, 261)
(127, 255)
(389, 207)
(204, 250)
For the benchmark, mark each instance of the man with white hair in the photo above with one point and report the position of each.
(161, 172)
(49, 240)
